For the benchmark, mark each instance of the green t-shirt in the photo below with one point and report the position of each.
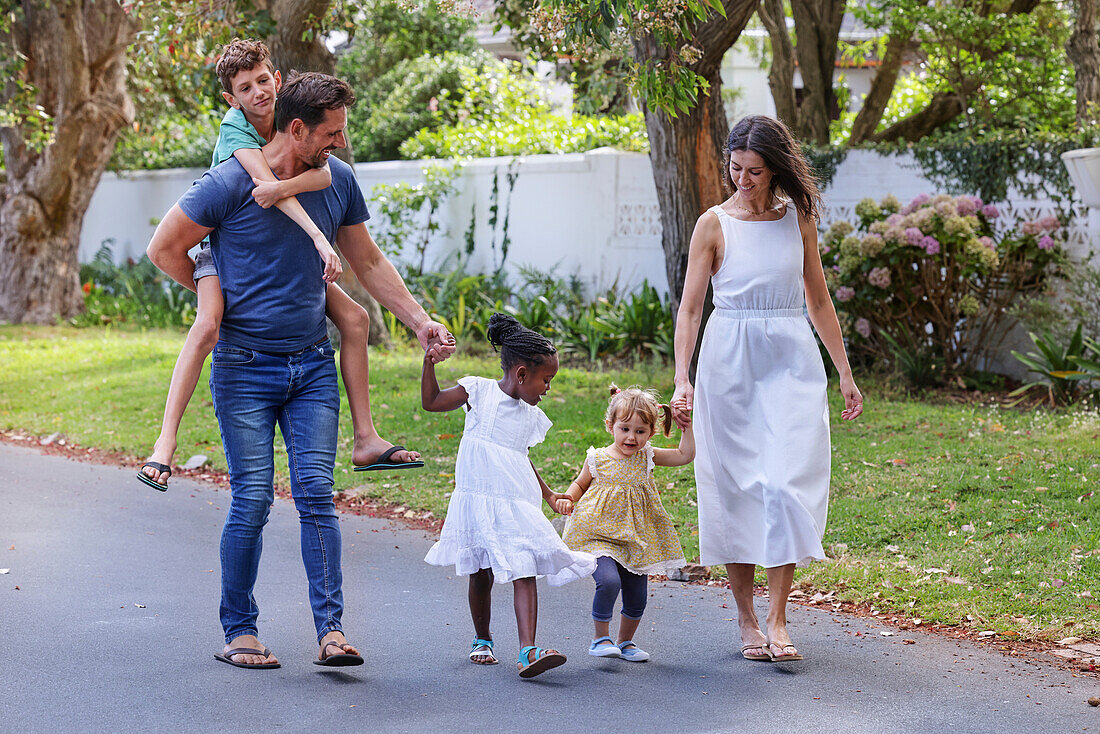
(235, 133)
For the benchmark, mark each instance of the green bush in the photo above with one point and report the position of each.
(132, 293)
(414, 95)
(546, 133)
(170, 141)
(930, 283)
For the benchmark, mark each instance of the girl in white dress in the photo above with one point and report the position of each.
(495, 529)
(761, 415)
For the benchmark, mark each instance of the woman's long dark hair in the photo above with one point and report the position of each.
(771, 140)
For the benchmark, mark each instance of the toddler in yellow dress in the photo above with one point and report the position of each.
(615, 513)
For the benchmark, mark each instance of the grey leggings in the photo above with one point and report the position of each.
(610, 579)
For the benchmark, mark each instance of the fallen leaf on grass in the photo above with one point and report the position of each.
(909, 642)
(1057, 583)
(935, 570)
(986, 633)
(1066, 641)
(445, 436)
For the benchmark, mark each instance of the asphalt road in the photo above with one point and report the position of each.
(114, 624)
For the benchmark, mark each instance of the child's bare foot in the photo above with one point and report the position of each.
(368, 451)
(163, 450)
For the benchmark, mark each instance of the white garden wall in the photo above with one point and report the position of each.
(594, 214)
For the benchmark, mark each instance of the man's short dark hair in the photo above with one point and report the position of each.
(306, 96)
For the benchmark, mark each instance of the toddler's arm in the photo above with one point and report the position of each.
(253, 161)
(682, 454)
(551, 497)
(576, 490)
(432, 398)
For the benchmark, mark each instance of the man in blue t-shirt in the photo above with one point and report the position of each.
(273, 363)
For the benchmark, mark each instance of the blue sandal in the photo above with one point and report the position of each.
(482, 648)
(544, 660)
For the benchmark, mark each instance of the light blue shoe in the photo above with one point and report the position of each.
(629, 651)
(599, 650)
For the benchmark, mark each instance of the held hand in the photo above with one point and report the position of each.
(436, 340)
(267, 193)
(853, 399)
(563, 505)
(333, 266)
(682, 403)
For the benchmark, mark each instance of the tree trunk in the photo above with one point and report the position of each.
(686, 151)
(817, 25)
(882, 86)
(76, 58)
(1084, 51)
(781, 72)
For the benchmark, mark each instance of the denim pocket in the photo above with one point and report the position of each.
(327, 350)
(232, 356)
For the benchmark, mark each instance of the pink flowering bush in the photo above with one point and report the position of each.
(934, 277)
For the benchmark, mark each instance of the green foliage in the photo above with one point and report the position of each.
(1060, 367)
(1010, 68)
(934, 277)
(1074, 299)
(170, 140)
(546, 133)
(388, 33)
(586, 28)
(413, 95)
(610, 326)
(408, 211)
(133, 294)
(993, 163)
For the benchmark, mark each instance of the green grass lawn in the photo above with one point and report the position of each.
(958, 513)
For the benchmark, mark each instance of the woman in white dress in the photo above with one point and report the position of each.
(760, 412)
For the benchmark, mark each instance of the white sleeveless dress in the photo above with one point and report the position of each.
(761, 417)
(494, 518)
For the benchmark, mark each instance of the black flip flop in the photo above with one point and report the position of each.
(153, 482)
(227, 657)
(383, 462)
(341, 659)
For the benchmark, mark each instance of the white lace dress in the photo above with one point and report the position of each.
(494, 519)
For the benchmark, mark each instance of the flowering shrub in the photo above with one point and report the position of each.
(934, 277)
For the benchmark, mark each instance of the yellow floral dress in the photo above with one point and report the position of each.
(621, 515)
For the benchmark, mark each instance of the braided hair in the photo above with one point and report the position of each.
(517, 344)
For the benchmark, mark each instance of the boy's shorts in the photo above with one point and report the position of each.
(204, 263)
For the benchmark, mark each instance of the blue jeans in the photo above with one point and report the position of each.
(252, 392)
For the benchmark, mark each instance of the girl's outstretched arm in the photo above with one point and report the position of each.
(551, 497)
(431, 397)
(682, 454)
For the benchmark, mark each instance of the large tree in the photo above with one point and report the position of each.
(63, 106)
(677, 51)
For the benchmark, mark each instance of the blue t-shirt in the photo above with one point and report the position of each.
(270, 271)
